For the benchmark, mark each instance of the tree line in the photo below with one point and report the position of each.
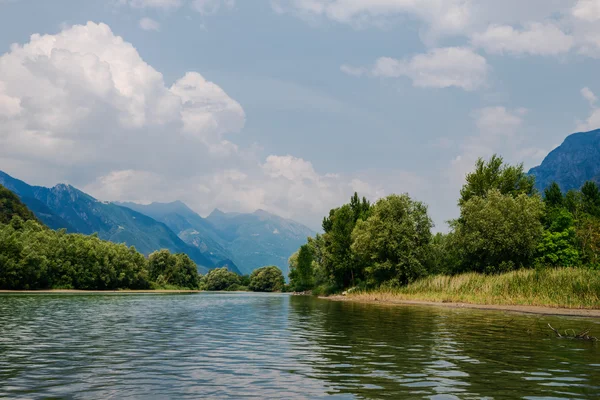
(504, 224)
(33, 256)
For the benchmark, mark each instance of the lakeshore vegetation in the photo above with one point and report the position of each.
(510, 245)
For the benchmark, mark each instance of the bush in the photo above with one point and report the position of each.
(266, 279)
(173, 270)
(220, 279)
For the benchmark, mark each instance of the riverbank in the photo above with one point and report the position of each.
(573, 312)
(563, 291)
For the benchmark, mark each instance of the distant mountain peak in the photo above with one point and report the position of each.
(571, 164)
(216, 212)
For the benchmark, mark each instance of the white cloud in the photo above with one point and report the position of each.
(587, 10)
(439, 68)
(587, 94)
(148, 24)
(449, 16)
(84, 98)
(537, 39)
(593, 121)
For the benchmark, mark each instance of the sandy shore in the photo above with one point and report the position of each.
(67, 291)
(575, 312)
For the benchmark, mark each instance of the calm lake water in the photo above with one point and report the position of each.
(278, 346)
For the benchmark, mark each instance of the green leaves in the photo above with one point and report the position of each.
(498, 229)
(220, 279)
(495, 174)
(393, 241)
(266, 279)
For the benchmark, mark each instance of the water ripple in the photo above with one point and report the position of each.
(280, 347)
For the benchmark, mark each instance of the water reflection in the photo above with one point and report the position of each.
(414, 352)
(280, 347)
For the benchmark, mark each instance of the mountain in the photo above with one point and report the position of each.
(64, 206)
(260, 238)
(571, 164)
(190, 227)
(249, 240)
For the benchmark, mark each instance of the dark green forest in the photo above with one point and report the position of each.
(505, 224)
(33, 256)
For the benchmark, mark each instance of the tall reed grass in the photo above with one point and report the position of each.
(561, 287)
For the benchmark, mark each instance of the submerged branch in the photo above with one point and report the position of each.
(583, 335)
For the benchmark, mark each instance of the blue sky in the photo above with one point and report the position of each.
(289, 105)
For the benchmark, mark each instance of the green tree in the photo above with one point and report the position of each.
(394, 240)
(301, 269)
(35, 257)
(498, 232)
(553, 196)
(495, 174)
(168, 269)
(266, 279)
(11, 205)
(443, 257)
(591, 199)
(220, 279)
(338, 261)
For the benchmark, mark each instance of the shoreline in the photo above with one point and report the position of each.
(523, 309)
(75, 291)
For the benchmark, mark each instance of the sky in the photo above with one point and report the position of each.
(289, 105)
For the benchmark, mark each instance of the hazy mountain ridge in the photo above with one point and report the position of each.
(571, 164)
(250, 240)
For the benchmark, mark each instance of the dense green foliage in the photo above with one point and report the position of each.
(301, 269)
(266, 279)
(504, 225)
(393, 242)
(495, 174)
(11, 205)
(33, 256)
(220, 279)
(498, 233)
(177, 270)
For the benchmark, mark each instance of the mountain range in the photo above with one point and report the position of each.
(250, 240)
(571, 164)
(241, 242)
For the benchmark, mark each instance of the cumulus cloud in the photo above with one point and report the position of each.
(439, 68)
(544, 39)
(148, 24)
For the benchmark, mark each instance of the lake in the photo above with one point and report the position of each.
(286, 347)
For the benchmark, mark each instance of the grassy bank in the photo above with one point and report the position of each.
(563, 287)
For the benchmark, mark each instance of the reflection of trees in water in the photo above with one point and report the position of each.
(373, 352)
(407, 352)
